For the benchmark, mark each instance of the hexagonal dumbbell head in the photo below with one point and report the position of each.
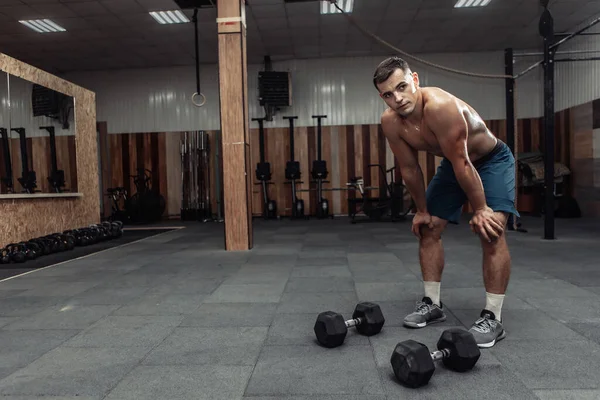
(412, 363)
(371, 316)
(330, 329)
(463, 349)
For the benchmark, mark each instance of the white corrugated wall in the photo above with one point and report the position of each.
(4, 111)
(578, 82)
(158, 100)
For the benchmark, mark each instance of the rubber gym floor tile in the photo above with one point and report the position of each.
(545, 288)
(156, 303)
(583, 278)
(186, 284)
(482, 382)
(313, 252)
(22, 306)
(310, 370)
(209, 346)
(378, 291)
(574, 394)
(115, 331)
(280, 333)
(61, 288)
(107, 294)
(64, 316)
(312, 271)
(259, 277)
(524, 325)
(399, 274)
(593, 289)
(589, 330)
(551, 364)
(318, 397)
(247, 293)
(267, 259)
(10, 292)
(18, 350)
(276, 249)
(569, 309)
(181, 382)
(292, 303)
(322, 285)
(328, 260)
(231, 315)
(73, 371)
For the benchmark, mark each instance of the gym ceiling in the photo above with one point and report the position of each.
(107, 34)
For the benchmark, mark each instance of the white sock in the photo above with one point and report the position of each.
(432, 290)
(493, 302)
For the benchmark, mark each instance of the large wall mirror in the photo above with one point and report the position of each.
(38, 139)
(5, 175)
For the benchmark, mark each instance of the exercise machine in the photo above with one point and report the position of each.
(57, 176)
(319, 174)
(28, 179)
(7, 179)
(147, 204)
(118, 195)
(195, 177)
(293, 174)
(263, 174)
(393, 203)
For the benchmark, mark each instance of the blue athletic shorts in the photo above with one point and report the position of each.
(445, 197)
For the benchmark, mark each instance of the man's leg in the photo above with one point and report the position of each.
(488, 329)
(431, 256)
(445, 199)
(497, 176)
(496, 270)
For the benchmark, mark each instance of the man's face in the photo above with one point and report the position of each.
(399, 91)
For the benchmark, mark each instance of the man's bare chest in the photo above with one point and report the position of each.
(420, 138)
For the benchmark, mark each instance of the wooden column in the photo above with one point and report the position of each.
(233, 89)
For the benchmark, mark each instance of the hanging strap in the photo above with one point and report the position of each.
(198, 92)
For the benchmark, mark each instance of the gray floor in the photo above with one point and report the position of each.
(176, 317)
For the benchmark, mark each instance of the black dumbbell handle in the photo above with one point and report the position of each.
(354, 322)
(440, 354)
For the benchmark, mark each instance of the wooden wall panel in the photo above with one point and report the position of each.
(348, 151)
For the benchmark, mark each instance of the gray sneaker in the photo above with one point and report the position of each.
(487, 330)
(425, 313)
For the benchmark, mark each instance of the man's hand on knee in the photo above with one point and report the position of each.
(487, 224)
(421, 219)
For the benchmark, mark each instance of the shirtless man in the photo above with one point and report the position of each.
(476, 167)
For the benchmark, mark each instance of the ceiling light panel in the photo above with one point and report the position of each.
(471, 3)
(169, 17)
(328, 8)
(43, 25)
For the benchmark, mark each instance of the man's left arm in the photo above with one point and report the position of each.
(449, 126)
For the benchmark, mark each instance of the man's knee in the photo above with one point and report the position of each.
(499, 244)
(434, 233)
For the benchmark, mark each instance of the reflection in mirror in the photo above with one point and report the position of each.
(42, 131)
(6, 176)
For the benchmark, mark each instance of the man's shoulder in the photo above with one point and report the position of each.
(436, 99)
(389, 117)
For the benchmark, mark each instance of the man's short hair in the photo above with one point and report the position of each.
(387, 67)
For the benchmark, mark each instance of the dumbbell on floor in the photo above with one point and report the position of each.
(331, 329)
(413, 364)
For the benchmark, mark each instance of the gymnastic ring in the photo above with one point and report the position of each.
(194, 99)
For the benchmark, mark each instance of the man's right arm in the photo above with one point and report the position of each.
(409, 164)
(411, 172)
